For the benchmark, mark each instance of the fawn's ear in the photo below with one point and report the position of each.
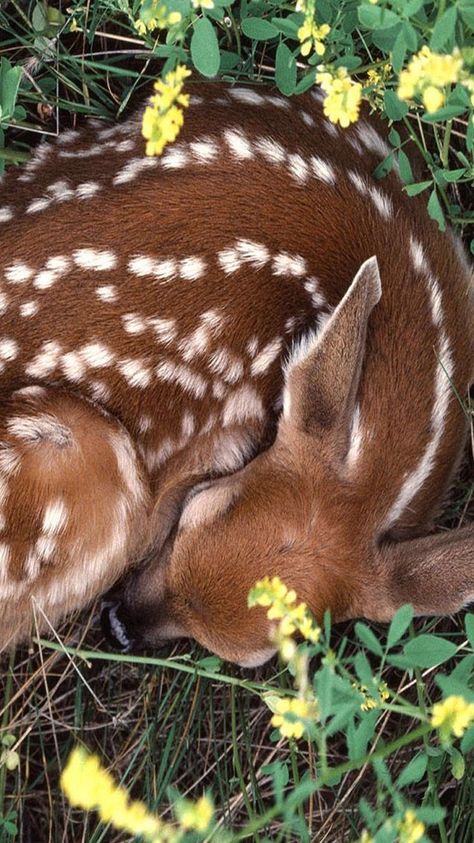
(322, 375)
(434, 573)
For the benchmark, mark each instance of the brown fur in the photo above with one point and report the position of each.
(291, 511)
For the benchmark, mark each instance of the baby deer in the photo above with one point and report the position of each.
(244, 358)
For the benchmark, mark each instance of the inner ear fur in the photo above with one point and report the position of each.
(322, 376)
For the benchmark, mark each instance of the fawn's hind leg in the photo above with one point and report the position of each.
(73, 506)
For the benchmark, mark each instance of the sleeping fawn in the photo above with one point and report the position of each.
(244, 358)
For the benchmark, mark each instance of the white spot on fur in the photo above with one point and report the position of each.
(372, 140)
(18, 273)
(6, 214)
(204, 151)
(175, 158)
(298, 168)
(135, 372)
(73, 366)
(165, 329)
(99, 260)
(107, 293)
(134, 168)
(285, 264)
(238, 144)
(8, 349)
(306, 118)
(322, 170)
(266, 357)
(4, 303)
(178, 373)
(133, 323)
(97, 355)
(55, 517)
(242, 405)
(87, 189)
(197, 343)
(192, 268)
(247, 96)
(271, 150)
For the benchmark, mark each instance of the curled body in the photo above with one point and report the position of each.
(255, 354)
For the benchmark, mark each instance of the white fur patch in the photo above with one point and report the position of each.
(242, 405)
(55, 517)
(135, 372)
(96, 355)
(239, 144)
(266, 357)
(99, 260)
(45, 362)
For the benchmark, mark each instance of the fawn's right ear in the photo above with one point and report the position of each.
(322, 376)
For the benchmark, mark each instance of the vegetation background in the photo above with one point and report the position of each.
(185, 723)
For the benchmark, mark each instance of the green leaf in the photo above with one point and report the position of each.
(394, 108)
(466, 10)
(377, 17)
(258, 29)
(469, 624)
(429, 650)
(443, 29)
(430, 815)
(445, 113)
(399, 623)
(399, 51)
(418, 187)
(453, 175)
(205, 48)
(285, 70)
(287, 27)
(9, 83)
(451, 685)
(458, 765)
(39, 18)
(436, 213)
(467, 743)
(414, 771)
(363, 669)
(406, 172)
(369, 640)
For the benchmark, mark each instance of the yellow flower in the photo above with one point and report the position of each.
(311, 37)
(428, 74)
(197, 816)
(366, 837)
(280, 601)
(163, 117)
(204, 4)
(343, 96)
(410, 829)
(157, 17)
(452, 716)
(87, 785)
(292, 715)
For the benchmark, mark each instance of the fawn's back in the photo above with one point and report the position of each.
(153, 302)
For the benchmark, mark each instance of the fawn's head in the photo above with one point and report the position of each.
(295, 511)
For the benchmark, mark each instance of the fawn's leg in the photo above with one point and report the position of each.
(73, 506)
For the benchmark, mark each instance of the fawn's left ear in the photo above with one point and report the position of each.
(323, 373)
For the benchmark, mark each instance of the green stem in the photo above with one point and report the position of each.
(346, 767)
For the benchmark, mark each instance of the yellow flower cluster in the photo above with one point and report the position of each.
(292, 715)
(428, 74)
(87, 785)
(195, 816)
(160, 19)
(452, 716)
(281, 603)
(369, 702)
(203, 4)
(163, 117)
(343, 96)
(410, 829)
(310, 35)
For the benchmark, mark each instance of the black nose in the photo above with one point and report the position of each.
(114, 626)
